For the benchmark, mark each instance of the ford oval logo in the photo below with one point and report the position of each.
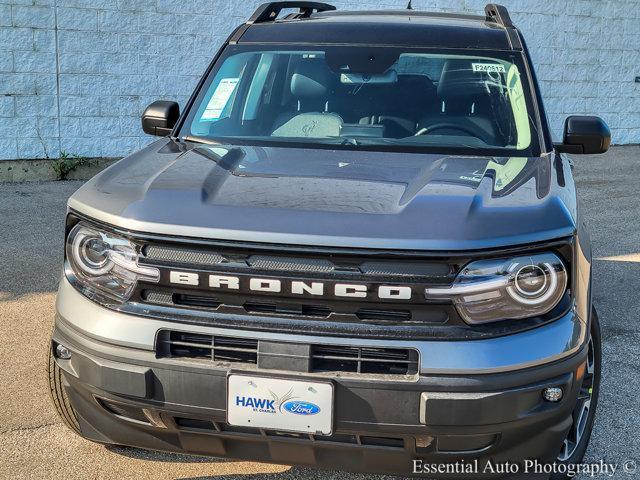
(301, 408)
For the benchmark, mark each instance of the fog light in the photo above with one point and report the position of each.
(63, 352)
(552, 394)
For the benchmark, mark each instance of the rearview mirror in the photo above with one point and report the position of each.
(160, 117)
(585, 135)
(390, 76)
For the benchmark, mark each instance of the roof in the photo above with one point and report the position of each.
(391, 27)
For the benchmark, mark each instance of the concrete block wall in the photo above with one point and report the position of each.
(75, 75)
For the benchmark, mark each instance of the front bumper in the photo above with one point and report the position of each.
(470, 407)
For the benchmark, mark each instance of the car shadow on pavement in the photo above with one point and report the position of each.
(292, 472)
(156, 456)
(296, 473)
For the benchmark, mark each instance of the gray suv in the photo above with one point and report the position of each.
(356, 247)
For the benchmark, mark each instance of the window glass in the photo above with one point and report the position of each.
(357, 96)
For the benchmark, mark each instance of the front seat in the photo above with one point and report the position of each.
(309, 87)
(465, 99)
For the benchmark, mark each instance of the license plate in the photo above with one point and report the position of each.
(280, 404)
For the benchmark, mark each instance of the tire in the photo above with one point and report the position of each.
(595, 358)
(59, 396)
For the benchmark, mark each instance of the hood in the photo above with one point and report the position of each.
(344, 198)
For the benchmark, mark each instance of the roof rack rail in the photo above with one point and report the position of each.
(498, 14)
(268, 12)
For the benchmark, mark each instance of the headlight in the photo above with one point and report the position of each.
(105, 264)
(491, 290)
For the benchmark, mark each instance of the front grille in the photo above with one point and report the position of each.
(174, 344)
(294, 264)
(288, 312)
(289, 264)
(189, 300)
(386, 315)
(380, 316)
(388, 361)
(322, 359)
(405, 269)
(297, 306)
(182, 256)
(307, 298)
(301, 310)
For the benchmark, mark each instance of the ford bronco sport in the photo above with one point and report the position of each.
(356, 247)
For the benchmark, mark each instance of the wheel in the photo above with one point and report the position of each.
(577, 441)
(59, 396)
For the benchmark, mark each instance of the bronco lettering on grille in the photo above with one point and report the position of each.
(293, 287)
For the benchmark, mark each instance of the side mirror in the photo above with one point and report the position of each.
(160, 117)
(586, 135)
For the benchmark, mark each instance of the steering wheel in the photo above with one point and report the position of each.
(443, 126)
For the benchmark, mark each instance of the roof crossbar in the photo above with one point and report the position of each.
(498, 14)
(268, 12)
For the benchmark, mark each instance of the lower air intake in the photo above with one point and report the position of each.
(322, 358)
(387, 361)
(174, 344)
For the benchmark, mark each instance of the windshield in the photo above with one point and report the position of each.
(378, 98)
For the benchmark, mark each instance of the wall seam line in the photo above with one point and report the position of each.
(57, 52)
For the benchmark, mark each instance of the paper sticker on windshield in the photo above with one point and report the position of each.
(488, 67)
(219, 99)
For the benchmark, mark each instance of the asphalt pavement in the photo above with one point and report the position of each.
(34, 444)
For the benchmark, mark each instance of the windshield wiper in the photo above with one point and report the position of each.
(203, 140)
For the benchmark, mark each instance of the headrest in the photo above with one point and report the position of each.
(459, 80)
(311, 78)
